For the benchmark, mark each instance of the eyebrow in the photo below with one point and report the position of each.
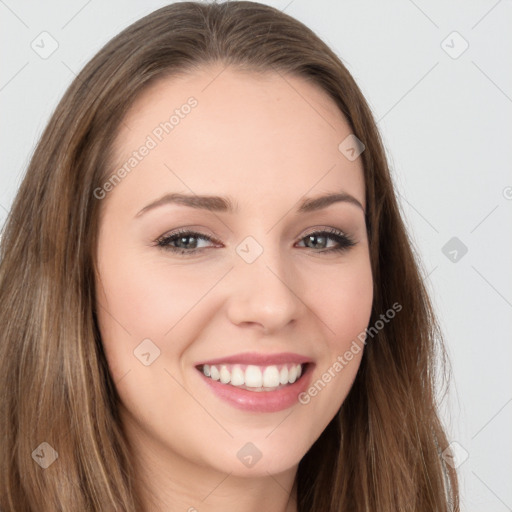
(226, 204)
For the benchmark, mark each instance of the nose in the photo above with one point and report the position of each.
(265, 293)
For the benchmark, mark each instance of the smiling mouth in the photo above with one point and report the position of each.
(254, 377)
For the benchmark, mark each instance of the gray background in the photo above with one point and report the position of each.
(447, 126)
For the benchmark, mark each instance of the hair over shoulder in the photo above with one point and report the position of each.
(382, 450)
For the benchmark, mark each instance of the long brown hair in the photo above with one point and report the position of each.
(381, 452)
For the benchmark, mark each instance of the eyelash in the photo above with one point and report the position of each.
(344, 241)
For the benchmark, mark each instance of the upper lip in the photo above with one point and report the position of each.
(259, 359)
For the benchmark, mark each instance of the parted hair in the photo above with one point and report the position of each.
(382, 452)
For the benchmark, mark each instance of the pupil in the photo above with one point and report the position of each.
(184, 238)
(312, 237)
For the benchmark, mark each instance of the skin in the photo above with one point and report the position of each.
(266, 141)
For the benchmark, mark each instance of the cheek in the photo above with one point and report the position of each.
(148, 298)
(343, 299)
(143, 298)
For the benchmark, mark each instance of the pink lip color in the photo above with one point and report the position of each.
(259, 359)
(261, 401)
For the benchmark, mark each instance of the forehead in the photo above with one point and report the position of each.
(219, 130)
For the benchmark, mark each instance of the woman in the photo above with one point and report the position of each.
(210, 301)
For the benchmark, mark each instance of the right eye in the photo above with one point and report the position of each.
(182, 242)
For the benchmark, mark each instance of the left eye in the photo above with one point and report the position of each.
(186, 242)
(320, 238)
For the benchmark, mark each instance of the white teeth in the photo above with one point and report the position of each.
(215, 375)
(271, 377)
(237, 376)
(225, 376)
(254, 376)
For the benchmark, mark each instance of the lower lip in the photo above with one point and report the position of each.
(261, 401)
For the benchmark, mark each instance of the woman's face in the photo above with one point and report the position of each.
(189, 286)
